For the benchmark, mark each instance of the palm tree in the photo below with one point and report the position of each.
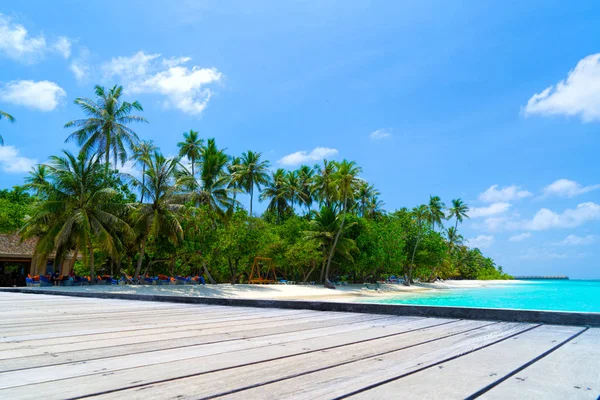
(214, 186)
(276, 191)
(10, 118)
(141, 154)
(191, 147)
(78, 212)
(374, 208)
(252, 172)
(294, 188)
(420, 216)
(454, 238)
(105, 130)
(435, 212)
(323, 182)
(38, 179)
(366, 192)
(305, 181)
(323, 228)
(458, 211)
(346, 181)
(159, 217)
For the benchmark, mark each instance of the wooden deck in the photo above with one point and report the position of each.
(55, 347)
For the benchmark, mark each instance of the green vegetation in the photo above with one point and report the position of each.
(322, 223)
(10, 118)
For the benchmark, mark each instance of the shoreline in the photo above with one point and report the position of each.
(347, 293)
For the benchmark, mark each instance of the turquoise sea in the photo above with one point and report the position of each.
(567, 295)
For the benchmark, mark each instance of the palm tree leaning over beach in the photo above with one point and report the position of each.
(458, 211)
(252, 172)
(161, 215)
(79, 213)
(191, 148)
(105, 130)
(346, 182)
(10, 118)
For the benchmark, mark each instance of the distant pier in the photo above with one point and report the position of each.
(530, 278)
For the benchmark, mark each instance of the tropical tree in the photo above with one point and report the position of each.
(191, 148)
(294, 189)
(252, 171)
(435, 212)
(324, 182)
(213, 188)
(79, 213)
(420, 216)
(105, 129)
(160, 217)
(276, 191)
(10, 118)
(326, 227)
(235, 178)
(454, 238)
(305, 182)
(365, 194)
(458, 211)
(141, 154)
(346, 181)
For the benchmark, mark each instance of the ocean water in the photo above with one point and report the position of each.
(567, 295)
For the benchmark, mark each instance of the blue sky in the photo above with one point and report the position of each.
(494, 102)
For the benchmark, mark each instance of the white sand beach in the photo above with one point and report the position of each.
(346, 293)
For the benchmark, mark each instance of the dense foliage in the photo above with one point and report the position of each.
(322, 223)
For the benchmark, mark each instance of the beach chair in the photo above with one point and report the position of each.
(45, 281)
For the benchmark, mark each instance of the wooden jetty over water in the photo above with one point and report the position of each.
(124, 349)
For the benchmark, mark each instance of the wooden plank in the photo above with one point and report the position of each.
(123, 372)
(235, 379)
(340, 381)
(73, 343)
(459, 378)
(570, 372)
(33, 375)
(57, 330)
(189, 343)
(147, 333)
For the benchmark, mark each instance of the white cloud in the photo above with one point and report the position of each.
(546, 219)
(520, 237)
(481, 241)
(578, 94)
(184, 88)
(79, 66)
(492, 209)
(300, 157)
(567, 188)
(63, 46)
(495, 194)
(42, 95)
(574, 240)
(18, 44)
(11, 162)
(380, 134)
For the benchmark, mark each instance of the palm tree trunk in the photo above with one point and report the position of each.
(107, 157)
(337, 236)
(251, 196)
(143, 181)
(193, 174)
(141, 258)
(92, 266)
(412, 260)
(456, 225)
(208, 275)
